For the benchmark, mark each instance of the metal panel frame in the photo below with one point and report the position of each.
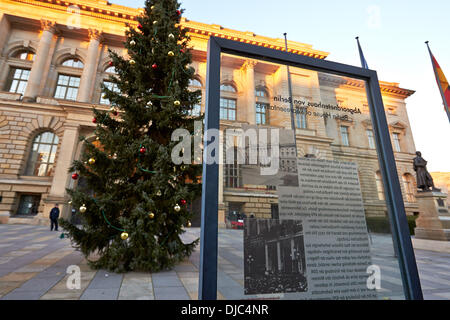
(394, 200)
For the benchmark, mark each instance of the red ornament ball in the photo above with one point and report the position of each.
(75, 176)
(110, 63)
(140, 26)
(142, 150)
(183, 202)
(115, 113)
(154, 66)
(94, 120)
(182, 50)
(178, 13)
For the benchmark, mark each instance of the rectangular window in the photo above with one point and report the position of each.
(396, 140)
(67, 87)
(371, 139)
(111, 86)
(18, 80)
(300, 119)
(227, 109)
(344, 136)
(196, 109)
(28, 204)
(232, 174)
(261, 113)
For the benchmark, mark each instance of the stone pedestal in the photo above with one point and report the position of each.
(434, 219)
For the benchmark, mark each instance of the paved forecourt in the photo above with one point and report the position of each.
(34, 263)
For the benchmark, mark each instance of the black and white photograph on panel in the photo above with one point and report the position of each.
(274, 256)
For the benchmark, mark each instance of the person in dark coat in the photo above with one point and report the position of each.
(54, 215)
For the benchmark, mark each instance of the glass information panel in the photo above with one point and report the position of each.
(299, 186)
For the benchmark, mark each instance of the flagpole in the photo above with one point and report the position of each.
(438, 81)
(361, 55)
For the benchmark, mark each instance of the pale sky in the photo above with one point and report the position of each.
(392, 35)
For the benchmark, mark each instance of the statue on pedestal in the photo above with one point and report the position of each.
(424, 179)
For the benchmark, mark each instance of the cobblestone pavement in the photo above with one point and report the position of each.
(34, 262)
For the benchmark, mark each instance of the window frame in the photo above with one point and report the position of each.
(11, 79)
(31, 165)
(396, 142)
(344, 141)
(228, 109)
(408, 184)
(113, 88)
(370, 139)
(75, 60)
(66, 86)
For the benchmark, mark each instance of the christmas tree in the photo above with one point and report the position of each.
(134, 202)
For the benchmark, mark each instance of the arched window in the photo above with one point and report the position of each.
(195, 83)
(73, 62)
(408, 184)
(111, 69)
(25, 55)
(227, 87)
(42, 155)
(228, 101)
(380, 188)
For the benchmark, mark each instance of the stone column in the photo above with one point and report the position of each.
(61, 177)
(249, 67)
(90, 67)
(34, 81)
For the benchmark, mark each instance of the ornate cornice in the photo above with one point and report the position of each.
(102, 9)
(385, 87)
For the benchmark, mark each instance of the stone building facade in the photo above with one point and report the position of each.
(53, 58)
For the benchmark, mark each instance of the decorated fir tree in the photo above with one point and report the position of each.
(134, 205)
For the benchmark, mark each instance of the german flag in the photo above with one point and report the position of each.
(441, 81)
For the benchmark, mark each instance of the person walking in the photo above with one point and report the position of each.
(54, 215)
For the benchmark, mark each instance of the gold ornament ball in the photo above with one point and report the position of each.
(152, 7)
(132, 62)
(177, 208)
(158, 193)
(170, 53)
(132, 42)
(83, 208)
(91, 161)
(171, 36)
(97, 138)
(155, 22)
(124, 236)
(151, 215)
(70, 202)
(189, 224)
(177, 103)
